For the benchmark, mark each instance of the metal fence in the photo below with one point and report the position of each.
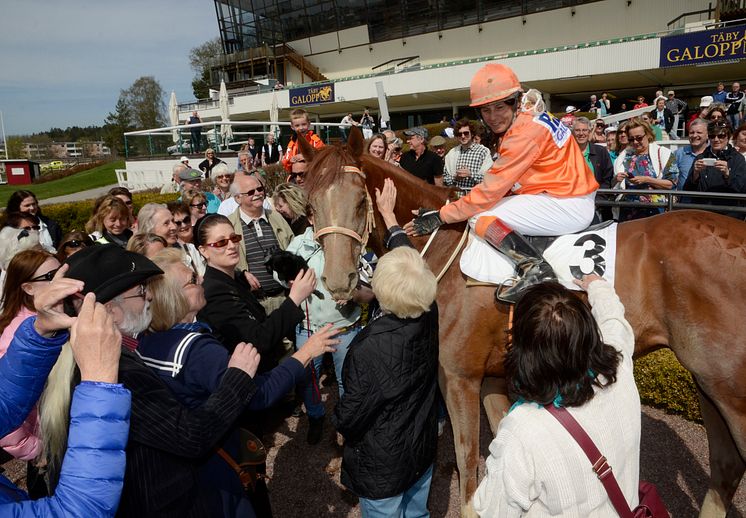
(675, 200)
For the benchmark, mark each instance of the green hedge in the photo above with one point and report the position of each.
(664, 383)
(74, 215)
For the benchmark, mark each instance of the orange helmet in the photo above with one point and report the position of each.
(493, 82)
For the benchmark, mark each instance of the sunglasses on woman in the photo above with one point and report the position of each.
(637, 139)
(45, 277)
(200, 205)
(73, 244)
(235, 238)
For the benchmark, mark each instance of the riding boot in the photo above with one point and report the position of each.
(530, 265)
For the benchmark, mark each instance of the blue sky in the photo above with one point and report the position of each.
(63, 63)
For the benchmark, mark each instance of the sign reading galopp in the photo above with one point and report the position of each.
(710, 46)
(316, 94)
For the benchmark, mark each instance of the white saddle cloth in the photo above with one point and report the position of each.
(571, 256)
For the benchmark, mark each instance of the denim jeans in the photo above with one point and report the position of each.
(316, 408)
(412, 503)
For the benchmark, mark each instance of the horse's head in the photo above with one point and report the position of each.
(342, 209)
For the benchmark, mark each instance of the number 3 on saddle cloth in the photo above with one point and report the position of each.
(592, 250)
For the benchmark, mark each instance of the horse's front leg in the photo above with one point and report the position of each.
(462, 399)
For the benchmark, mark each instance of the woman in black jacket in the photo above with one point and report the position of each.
(720, 168)
(232, 311)
(661, 115)
(388, 413)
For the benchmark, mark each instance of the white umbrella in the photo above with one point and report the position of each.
(225, 131)
(274, 114)
(173, 114)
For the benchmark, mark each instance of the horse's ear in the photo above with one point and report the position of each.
(356, 142)
(305, 148)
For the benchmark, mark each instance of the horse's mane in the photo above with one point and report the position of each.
(408, 185)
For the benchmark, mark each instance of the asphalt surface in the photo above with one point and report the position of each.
(90, 194)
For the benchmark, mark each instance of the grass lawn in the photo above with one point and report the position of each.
(96, 177)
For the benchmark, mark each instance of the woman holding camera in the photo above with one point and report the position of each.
(719, 168)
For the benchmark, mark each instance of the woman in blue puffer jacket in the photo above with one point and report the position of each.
(93, 469)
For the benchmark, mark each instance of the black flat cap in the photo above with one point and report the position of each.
(109, 270)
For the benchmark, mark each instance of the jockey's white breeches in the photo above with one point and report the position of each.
(542, 214)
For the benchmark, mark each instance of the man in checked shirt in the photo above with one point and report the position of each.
(466, 163)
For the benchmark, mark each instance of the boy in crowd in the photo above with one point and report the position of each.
(300, 124)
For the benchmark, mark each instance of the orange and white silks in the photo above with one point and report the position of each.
(292, 148)
(537, 155)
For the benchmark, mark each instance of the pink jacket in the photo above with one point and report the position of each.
(23, 442)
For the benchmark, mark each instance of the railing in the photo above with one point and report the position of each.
(675, 200)
(681, 20)
(160, 143)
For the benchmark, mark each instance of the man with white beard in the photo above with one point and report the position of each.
(167, 441)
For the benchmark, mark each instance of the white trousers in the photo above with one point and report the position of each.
(543, 215)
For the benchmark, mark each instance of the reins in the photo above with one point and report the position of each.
(370, 222)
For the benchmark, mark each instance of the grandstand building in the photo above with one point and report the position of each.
(338, 56)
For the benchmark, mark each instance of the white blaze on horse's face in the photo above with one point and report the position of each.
(340, 215)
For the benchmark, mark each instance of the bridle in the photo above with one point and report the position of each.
(370, 222)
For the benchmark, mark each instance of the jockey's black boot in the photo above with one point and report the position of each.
(530, 265)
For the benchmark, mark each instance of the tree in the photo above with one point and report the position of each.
(14, 147)
(199, 59)
(116, 124)
(145, 100)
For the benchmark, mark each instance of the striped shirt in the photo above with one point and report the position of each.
(260, 242)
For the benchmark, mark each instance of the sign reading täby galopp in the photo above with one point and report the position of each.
(710, 46)
(309, 95)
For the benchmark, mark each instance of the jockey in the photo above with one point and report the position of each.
(539, 186)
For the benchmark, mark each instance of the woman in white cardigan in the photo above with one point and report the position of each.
(564, 353)
(643, 165)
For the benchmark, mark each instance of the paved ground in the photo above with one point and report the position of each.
(78, 196)
(305, 480)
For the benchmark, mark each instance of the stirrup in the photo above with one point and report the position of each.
(503, 288)
(536, 273)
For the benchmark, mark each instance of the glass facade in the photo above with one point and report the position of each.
(246, 24)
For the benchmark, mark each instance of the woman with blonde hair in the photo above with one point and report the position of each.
(390, 382)
(111, 222)
(291, 202)
(197, 202)
(147, 244)
(209, 162)
(222, 177)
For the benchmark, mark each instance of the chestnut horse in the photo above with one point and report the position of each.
(678, 275)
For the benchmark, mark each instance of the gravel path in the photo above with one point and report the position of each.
(305, 479)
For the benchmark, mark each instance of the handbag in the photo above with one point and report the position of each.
(651, 505)
(251, 455)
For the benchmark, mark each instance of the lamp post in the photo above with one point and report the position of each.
(5, 142)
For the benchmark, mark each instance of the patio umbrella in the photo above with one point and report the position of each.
(274, 114)
(226, 131)
(173, 114)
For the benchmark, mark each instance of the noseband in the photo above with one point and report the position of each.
(369, 218)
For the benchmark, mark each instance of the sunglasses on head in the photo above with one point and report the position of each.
(235, 238)
(45, 277)
(251, 192)
(200, 205)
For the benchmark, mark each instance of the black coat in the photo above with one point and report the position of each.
(388, 413)
(603, 168)
(168, 441)
(667, 118)
(54, 230)
(712, 180)
(235, 315)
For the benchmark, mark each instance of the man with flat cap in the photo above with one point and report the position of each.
(167, 441)
(192, 179)
(419, 160)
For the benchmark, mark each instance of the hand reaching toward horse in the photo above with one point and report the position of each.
(303, 285)
(386, 201)
(322, 341)
(587, 280)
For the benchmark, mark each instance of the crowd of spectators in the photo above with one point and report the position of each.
(176, 322)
